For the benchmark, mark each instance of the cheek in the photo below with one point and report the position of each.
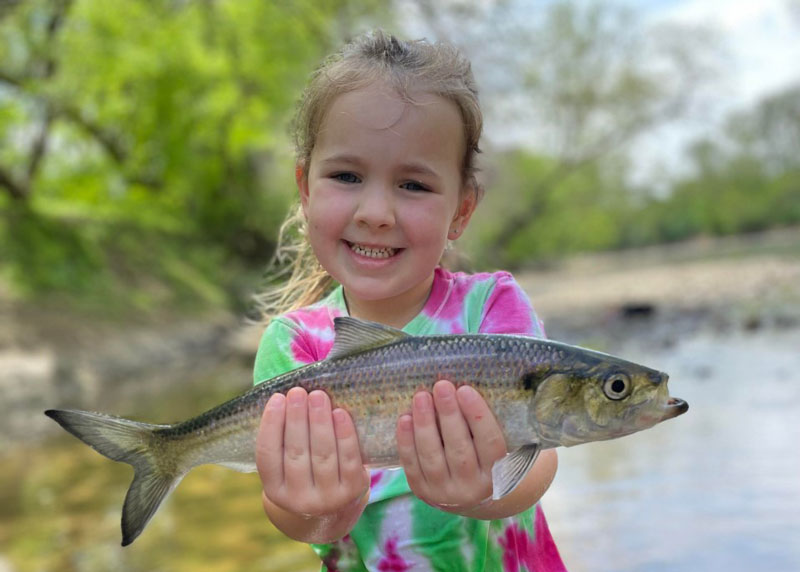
(428, 224)
(326, 209)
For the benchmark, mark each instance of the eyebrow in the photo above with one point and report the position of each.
(341, 158)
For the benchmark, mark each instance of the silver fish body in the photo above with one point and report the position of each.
(543, 393)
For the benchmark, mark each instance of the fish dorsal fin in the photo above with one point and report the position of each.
(354, 336)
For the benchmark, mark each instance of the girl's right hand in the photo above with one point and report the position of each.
(310, 463)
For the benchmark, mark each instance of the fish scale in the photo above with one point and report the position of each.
(543, 394)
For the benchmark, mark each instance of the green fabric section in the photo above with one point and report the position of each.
(478, 533)
(440, 536)
(421, 325)
(366, 532)
(368, 528)
(340, 557)
(274, 355)
(494, 552)
(474, 303)
(397, 486)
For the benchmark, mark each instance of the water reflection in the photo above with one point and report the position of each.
(716, 489)
(60, 506)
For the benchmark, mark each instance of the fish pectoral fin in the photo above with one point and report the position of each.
(511, 469)
(354, 336)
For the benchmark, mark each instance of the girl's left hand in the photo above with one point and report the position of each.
(449, 464)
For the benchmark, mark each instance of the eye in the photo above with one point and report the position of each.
(414, 186)
(349, 178)
(617, 386)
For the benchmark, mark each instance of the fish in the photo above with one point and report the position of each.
(543, 393)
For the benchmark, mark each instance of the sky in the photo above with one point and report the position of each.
(762, 40)
(763, 36)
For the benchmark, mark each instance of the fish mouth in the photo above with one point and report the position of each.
(675, 406)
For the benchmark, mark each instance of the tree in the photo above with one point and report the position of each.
(585, 78)
(167, 119)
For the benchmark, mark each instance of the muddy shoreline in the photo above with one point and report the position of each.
(609, 303)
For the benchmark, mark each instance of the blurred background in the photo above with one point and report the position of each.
(642, 166)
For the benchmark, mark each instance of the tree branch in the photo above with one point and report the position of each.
(17, 191)
(39, 148)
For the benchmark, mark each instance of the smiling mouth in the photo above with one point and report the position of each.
(371, 251)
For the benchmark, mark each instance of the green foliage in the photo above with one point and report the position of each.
(581, 212)
(747, 180)
(743, 181)
(111, 268)
(150, 138)
(145, 160)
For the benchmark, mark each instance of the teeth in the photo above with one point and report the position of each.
(385, 252)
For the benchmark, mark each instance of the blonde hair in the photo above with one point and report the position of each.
(436, 68)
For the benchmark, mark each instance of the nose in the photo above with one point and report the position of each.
(375, 207)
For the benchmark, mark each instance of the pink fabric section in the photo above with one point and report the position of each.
(508, 311)
(539, 555)
(439, 292)
(316, 339)
(392, 561)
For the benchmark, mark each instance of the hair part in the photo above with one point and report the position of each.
(407, 67)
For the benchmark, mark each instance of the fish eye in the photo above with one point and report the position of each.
(617, 386)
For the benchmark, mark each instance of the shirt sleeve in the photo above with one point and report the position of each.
(509, 311)
(280, 350)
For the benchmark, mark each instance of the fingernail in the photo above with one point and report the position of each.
(422, 401)
(339, 417)
(443, 390)
(468, 394)
(316, 399)
(405, 422)
(295, 397)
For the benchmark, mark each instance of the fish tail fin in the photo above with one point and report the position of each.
(156, 471)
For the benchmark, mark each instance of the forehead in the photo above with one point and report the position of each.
(377, 116)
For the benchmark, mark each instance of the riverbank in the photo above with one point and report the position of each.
(655, 296)
(51, 358)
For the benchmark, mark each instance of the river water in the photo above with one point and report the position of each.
(715, 489)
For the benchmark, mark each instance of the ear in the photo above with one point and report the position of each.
(466, 206)
(301, 178)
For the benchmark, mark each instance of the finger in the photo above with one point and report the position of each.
(407, 451)
(459, 449)
(269, 442)
(427, 439)
(324, 464)
(351, 465)
(488, 439)
(296, 454)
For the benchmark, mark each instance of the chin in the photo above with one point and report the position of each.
(375, 290)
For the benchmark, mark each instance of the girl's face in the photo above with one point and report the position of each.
(382, 193)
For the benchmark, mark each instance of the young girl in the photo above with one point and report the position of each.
(387, 133)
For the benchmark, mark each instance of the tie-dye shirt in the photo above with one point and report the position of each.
(397, 531)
